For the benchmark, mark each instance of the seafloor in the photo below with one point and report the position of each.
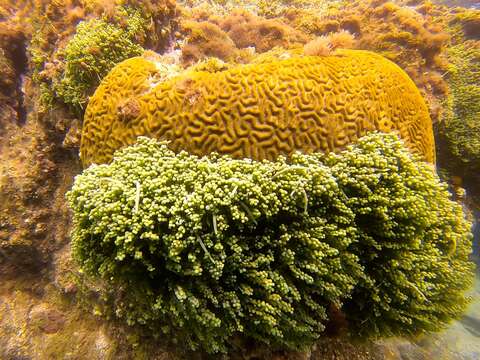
(54, 54)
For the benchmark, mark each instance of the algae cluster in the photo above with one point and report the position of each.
(97, 46)
(209, 248)
(75, 44)
(462, 117)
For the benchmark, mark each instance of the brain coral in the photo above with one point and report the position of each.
(307, 103)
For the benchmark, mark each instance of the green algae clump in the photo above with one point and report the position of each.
(413, 241)
(97, 46)
(461, 121)
(206, 249)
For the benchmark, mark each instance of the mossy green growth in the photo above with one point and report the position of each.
(209, 248)
(461, 121)
(97, 46)
(413, 241)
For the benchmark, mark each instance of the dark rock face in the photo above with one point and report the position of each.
(13, 67)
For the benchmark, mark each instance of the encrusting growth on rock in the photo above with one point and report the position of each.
(326, 44)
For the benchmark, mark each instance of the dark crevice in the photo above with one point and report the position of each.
(21, 108)
(14, 53)
(18, 53)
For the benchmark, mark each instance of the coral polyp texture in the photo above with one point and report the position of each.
(210, 248)
(260, 111)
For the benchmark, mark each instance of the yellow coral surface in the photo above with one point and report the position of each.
(306, 103)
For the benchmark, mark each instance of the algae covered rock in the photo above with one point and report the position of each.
(260, 111)
(206, 249)
(97, 46)
(461, 120)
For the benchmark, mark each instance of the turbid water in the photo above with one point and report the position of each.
(239, 179)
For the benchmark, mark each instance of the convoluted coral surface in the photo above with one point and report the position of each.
(308, 103)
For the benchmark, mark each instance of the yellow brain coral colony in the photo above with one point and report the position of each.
(306, 103)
